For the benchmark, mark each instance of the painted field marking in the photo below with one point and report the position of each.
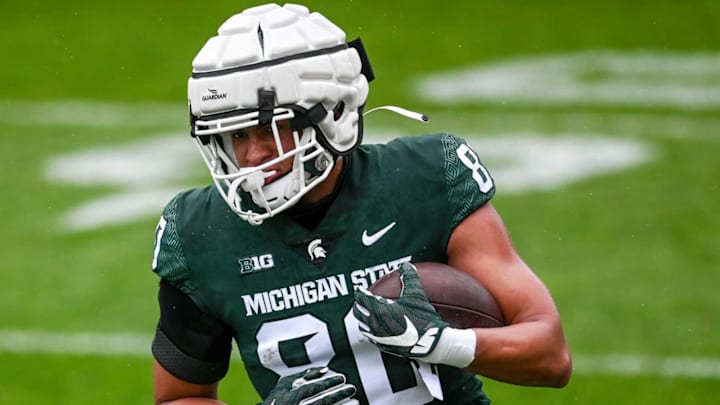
(626, 125)
(75, 343)
(520, 162)
(93, 114)
(127, 344)
(644, 365)
(643, 78)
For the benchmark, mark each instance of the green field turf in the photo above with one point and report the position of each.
(631, 254)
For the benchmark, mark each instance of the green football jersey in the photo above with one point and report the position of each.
(287, 291)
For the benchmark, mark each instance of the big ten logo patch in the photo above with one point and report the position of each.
(256, 263)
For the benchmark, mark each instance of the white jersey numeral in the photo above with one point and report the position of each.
(318, 347)
(374, 375)
(158, 237)
(470, 159)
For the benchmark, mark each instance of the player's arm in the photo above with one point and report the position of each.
(532, 349)
(170, 390)
(191, 350)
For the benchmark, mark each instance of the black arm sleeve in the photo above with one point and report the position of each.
(188, 343)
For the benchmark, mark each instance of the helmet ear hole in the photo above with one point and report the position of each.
(338, 110)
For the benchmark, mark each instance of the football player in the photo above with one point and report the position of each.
(302, 218)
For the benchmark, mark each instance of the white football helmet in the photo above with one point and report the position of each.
(267, 64)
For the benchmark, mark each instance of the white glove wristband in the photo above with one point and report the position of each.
(456, 347)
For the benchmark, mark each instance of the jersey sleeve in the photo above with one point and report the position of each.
(469, 184)
(168, 258)
(188, 343)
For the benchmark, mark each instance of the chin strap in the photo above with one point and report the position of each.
(402, 111)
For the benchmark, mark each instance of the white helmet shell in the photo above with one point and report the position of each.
(304, 62)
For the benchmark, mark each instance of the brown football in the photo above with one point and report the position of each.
(460, 300)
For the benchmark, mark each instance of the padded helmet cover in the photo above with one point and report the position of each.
(302, 56)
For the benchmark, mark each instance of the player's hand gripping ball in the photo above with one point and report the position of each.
(410, 327)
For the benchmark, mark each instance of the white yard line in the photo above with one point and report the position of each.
(631, 364)
(75, 343)
(646, 124)
(93, 114)
(128, 344)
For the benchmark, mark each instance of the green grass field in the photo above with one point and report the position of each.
(617, 212)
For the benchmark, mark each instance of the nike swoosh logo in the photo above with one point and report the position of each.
(407, 339)
(369, 240)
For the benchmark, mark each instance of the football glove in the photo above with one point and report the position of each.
(410, 327)
(314, 386)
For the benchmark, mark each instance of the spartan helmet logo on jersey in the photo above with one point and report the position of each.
(315, 250)
(270, 64)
